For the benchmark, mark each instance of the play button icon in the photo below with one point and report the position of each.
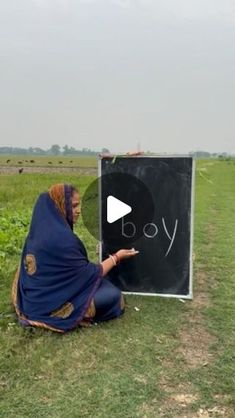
(116, 209)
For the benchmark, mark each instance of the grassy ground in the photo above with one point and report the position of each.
(47, 161)
(168, 359)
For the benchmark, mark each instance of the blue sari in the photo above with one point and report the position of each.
(55, 284)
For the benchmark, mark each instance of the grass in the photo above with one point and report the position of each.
(139, 365)
(47, 161)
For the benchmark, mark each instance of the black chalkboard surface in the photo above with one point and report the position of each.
(164, 263)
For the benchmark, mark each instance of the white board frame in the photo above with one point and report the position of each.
(167, 295)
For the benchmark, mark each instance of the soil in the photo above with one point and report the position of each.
(83, 171)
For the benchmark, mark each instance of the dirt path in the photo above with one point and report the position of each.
(194, 350)
(83, 171)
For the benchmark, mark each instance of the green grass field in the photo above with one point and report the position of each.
(47, 161)
(168, 359)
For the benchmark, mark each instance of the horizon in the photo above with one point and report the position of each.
(86, 151)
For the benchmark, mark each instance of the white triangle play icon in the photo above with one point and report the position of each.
(116, 209)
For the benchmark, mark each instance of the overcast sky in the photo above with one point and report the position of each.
(123, 74)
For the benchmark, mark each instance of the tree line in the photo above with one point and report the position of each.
(66, 150)
(53, 150)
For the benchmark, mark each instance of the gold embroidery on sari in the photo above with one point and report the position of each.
(14, 294)
(14, 287)
(122, 302)
(19, 314)
(91, 311)
(64, 311)
(89, 314)
(30, 264)
(42, 325)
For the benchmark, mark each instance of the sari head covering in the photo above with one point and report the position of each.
(62, 194)
(55, 282)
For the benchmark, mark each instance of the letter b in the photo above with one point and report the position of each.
(129, 225)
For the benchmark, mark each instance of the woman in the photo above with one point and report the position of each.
(56, 287)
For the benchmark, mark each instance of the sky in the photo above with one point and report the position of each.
(150, 75)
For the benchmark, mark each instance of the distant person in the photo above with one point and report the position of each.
(56, 286)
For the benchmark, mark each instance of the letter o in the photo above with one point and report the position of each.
(155, 233)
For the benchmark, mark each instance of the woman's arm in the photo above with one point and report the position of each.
(114, 259)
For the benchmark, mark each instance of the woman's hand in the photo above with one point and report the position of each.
(122, 254)
(114, 259)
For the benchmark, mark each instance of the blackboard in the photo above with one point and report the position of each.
(164, 263)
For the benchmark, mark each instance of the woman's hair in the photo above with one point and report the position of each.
(62, 194)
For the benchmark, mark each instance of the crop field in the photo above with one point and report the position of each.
(168, 358)
(49, 160)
